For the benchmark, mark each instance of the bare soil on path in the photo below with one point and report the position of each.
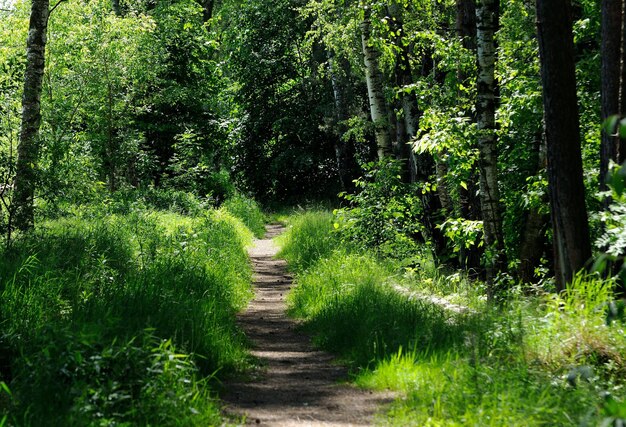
(298, 385)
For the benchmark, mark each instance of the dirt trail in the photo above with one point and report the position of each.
(298, 385)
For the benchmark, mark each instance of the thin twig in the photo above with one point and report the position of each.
(54, 7)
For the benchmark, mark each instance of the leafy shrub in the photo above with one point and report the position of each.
(384, 215)
(613, 240)
(141, 380)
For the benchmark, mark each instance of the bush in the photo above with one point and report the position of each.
(385, 215)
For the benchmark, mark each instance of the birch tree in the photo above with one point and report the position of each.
(28, 148)
(487, 12)
(374, 79)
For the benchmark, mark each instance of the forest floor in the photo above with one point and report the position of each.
(296, 384)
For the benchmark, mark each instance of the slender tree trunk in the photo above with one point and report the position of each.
(28, 149)
(207, 9)
(406, 128)
(117, 8)
(487, 17)
(344, 155)
(565, 173)
(534, 236)
(622, 89)
(374, 78)
(111, 152)
(612, 83)
(466, 23)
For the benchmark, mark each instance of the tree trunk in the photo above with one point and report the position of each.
(374, 80)
(406, 128)
(466, 23)
(534, 238)
(612, 84)
(207, 9)
(344, 155)
(487, 17)
(565, 173)
(28, 149)
(117, 8)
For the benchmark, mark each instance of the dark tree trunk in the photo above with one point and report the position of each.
(469, 201)
(406, 128)
(28, 149)
(207, 9)
(534, 236)
(344, 151)
(612, 84)
(466, 23)
(565, 173)
(117, 8)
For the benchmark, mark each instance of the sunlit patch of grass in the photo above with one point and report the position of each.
(574, 329)
(308, 239)
(424, 276)
(547, 360)
(248, 211)
(455, 394)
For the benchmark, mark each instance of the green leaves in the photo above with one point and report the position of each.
(615, 126)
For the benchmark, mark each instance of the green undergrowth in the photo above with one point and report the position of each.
(545, 360)
(249, 212)
(308, 239)
(122, 319)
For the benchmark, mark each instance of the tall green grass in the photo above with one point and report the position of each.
(551, 360)
(309, 238)
(248, 211)
(122, 319)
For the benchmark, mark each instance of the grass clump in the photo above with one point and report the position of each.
(123, 319)
(248, 211)
(309, 238)
(548, 360)
(348, 305)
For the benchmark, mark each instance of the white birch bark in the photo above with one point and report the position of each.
(374, 79)
(28, 148)
(487, 12)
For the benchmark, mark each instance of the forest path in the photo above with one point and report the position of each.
(298, 385)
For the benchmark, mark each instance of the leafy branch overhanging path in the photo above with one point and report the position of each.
(299, 386)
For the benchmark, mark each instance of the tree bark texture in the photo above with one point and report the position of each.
(565, 173)
(612, 83)
(487, 17)
(207, 9)
(466, 22)
(374, 79)
(344, 153)
(406, 128)
(28, 149)
(534, 237)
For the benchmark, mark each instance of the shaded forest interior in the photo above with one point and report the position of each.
(470, 150)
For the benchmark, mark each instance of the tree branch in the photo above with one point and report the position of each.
(54, 7)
